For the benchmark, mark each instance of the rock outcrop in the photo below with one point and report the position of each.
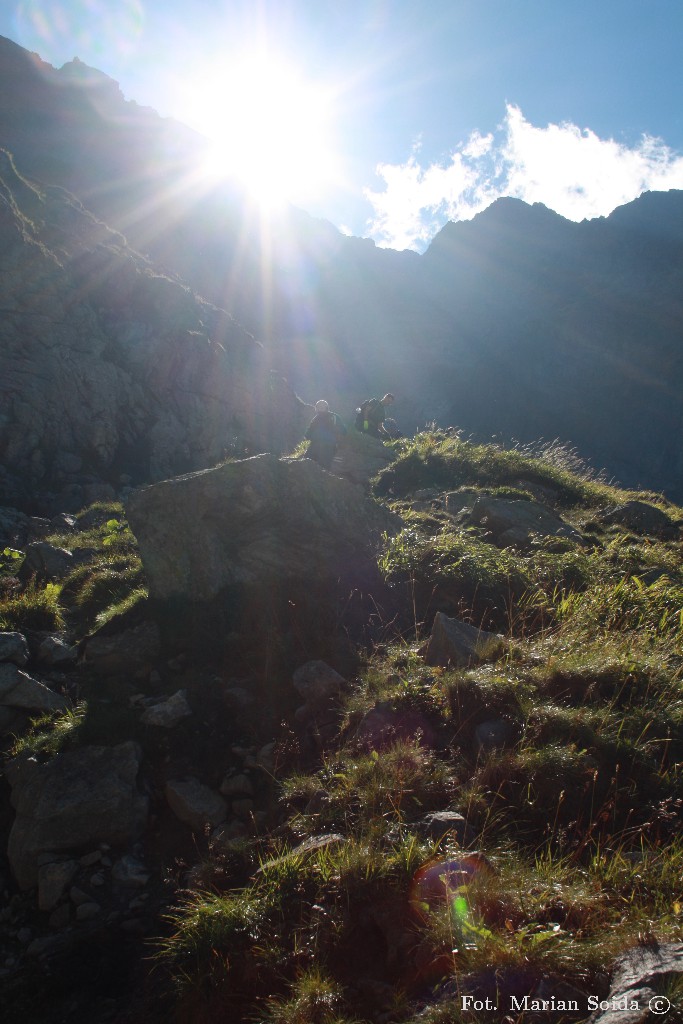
(111, 369)
(71, 803)
(643, 518)
(262, 542)
(458, 644)
(20, 690)
(641, 978)
(518, 522)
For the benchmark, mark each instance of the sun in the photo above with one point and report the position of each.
(268, 127)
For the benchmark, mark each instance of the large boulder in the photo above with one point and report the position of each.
(640, 980)
(517, 522)
(456, 643)
(195, 804)
(46, 562)
(14, 648)
(360, 457)
(132, 651)
(265, 541)
(13, 523)
(78, 799)
(641, 517)
(20, 690)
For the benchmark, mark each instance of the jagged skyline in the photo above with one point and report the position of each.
(390, 118)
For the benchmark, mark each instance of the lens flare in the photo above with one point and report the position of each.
(90, 29)
(445, 882)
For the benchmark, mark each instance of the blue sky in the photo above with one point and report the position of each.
(389, 117)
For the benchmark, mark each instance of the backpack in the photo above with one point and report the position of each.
(361, 421)
(323, 429)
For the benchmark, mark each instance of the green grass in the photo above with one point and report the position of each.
(578, 808)
(111, 580)
(438, 459)
(35, 608)
(50, 733)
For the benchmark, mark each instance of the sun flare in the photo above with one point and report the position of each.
(269, 128)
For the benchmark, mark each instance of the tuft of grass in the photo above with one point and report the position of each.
(314, 998)
(654, 610)
(458, 570)
(98, 588)
(48, 734)
(134, 599)
(35, 608)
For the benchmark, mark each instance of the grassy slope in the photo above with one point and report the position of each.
(578, 814)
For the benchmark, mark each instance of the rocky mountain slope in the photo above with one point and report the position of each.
(112, 372)
(235, 790)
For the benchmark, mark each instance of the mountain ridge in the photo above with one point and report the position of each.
(518, 323)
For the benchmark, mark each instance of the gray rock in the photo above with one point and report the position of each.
(438, 824)
(458, 644)
(640, 975)
(19, 690)
(318, 683)
(360, 457)
(236, 785)
(13, 647)
(54, 651)
(49, 945)
(13, 527)
(95, 492)
(12, 721)
(87, 911)
(52, 881)
(168, 713)
(130, 871)
(60, 917)
(265, 759)
(219, 538)
(78, 799)
(138, 364)
(88, 859)
(134, 650)
(63, 522)
(641, 517)
(520, 521)
(195, 804)
(238, 697)
(462, 500)
(78, 896)
(383, 725)
(46, 562)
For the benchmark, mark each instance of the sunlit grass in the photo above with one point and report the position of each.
(34, 608)
(48, 734)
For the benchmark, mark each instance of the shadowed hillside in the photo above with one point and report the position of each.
(113, 373)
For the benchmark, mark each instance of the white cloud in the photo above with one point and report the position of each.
(568, 169)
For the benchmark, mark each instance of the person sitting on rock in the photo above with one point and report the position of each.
(371, 415)
(323, 433)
